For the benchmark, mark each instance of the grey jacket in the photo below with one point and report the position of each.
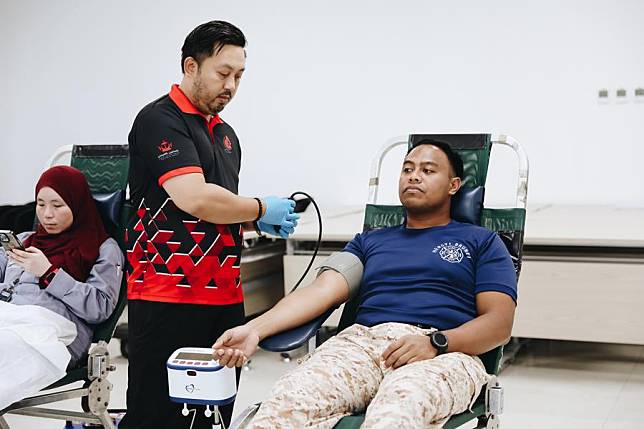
(84, 303)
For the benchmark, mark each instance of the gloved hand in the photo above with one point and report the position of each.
(276, 210)
(286, 228)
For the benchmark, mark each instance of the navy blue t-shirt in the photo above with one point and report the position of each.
(429, 276)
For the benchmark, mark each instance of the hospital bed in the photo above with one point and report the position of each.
(106, 169)
(467, 206)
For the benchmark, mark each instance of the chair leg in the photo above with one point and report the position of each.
(106, 420)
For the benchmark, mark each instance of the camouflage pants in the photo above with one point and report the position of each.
(346, 375)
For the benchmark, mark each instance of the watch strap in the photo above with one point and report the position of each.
(47, 276)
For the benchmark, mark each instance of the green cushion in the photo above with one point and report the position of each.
(354, 422)
(381, 216)
(104, 331)
(475, 164)
(512, 219)
(474, 150)
(350, 422)
(72, 376)
(492, 359)
(460, 419)
(105, 166)
(106, 169)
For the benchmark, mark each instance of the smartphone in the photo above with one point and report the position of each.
(9, 241)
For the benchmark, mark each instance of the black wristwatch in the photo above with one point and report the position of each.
(439, 342)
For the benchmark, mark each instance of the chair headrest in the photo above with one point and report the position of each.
(467, 205)
(109, 205)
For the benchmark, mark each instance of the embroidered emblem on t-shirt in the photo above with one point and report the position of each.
(165, 146)
(227, 144)
(452, 252)
(166, 151)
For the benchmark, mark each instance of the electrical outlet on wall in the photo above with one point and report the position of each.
(621, 95)
(638, 95)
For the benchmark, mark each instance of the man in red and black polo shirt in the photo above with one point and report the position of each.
(184, 243)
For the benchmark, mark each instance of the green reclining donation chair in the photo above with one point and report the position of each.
(106, 170)
(467, 206)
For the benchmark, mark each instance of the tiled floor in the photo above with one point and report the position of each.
(549, 385)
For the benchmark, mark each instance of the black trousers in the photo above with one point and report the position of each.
(155, 330)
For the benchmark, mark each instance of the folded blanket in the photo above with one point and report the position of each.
(33, 352)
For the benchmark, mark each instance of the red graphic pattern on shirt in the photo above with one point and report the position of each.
(199, 264)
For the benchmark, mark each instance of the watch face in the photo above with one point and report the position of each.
(440, 339)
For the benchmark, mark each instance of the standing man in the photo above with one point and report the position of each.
(184, 243)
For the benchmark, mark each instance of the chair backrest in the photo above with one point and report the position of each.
(106, 169)
(467, 206)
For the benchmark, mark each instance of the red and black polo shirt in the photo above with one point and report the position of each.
(173, 256)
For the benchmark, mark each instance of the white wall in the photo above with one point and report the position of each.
(328, 82)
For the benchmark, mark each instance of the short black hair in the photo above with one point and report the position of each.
(454, 158)
(208, 38)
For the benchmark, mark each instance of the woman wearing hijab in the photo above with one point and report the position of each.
(67, 279)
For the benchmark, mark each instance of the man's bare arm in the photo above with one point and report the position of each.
(491, 328)
(236, 345)
(209, 202)
(329, 290)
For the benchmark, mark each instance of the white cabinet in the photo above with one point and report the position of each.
(582, 299)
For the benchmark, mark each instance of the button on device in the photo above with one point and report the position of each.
(182, 362)
(189, 362)
(175, 361)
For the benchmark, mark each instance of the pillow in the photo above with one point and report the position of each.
(467, 205)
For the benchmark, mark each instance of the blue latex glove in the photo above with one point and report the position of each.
(286, 228)
(276, 210)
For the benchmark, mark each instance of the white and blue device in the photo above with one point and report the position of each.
(195, 377)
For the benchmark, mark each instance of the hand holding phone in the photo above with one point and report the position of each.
(9, 241)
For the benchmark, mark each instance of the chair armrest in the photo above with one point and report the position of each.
(296, 337)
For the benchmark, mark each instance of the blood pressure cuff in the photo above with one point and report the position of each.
(349, 266)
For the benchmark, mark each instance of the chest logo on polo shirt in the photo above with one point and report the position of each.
(165, 146)
(166, 151)
(452, 252)
(228, 145)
